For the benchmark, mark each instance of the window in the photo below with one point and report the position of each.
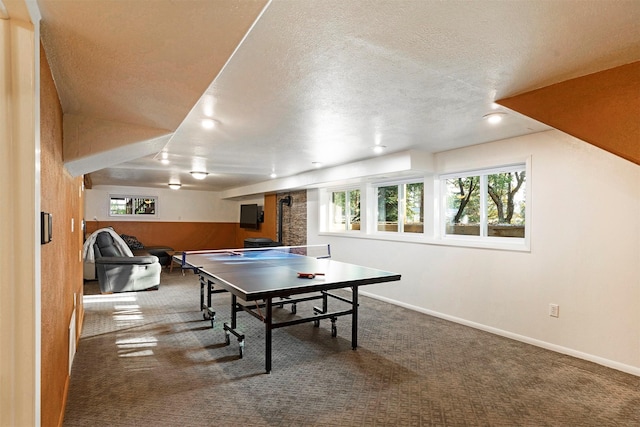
(401, 207)
(345, 210)
(132, 205)
(487, 203)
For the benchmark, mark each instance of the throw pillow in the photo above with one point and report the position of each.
(132, 242)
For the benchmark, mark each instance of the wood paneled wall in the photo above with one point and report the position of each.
(61, 264)
(178, 235)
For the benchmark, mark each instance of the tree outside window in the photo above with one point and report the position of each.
(414, 208)
(491, 204)
(388, 208)
(401, 208)
(345, 210)
(463, 205)
(132, 205)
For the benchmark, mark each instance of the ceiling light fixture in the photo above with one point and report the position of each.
(208, 123)
(494, 118)
(175, 186)
(379, 148)
(273, 175)
(164, 157)
(317, 164)
(199, 175)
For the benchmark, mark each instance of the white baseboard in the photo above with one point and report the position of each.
(72, 338)
(538, 343)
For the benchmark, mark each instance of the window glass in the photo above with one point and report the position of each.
(354, 210)
(132, 205)
(489, 204)
(388, 208)
(506, 204)
(401, 208)
(463, 206)
(338, 210)
(345, 210)
(414, 208)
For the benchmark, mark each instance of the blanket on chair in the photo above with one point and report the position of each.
(87, 249)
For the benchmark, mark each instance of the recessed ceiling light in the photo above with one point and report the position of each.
(494, 118)
(199, 175)
(208, 123)
(273, 175)
(175, 186)
(164, 157)
(317, 164)
(378, 148)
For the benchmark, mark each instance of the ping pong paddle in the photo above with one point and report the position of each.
(309, 275)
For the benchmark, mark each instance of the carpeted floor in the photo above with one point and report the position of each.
(148, 358)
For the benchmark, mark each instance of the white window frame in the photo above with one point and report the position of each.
(329, 211)
(483, 240)
(347, 212)
(402, 205)
(434, 209)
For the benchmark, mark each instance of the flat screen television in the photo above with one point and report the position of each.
(250, 216)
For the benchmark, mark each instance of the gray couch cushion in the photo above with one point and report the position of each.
(118, 272)
(105, 246)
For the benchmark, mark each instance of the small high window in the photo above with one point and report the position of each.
(345, 210)
(132, 205)
(486, 203)
(401, 207)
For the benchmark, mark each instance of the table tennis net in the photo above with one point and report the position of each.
(313, 251)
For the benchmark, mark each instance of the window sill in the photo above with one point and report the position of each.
(502, 244)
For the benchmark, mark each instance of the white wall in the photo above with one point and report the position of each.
(173, 205)
(585, 255)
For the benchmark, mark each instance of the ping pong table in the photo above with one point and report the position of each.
(264, 278)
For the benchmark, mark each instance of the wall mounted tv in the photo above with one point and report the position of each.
(250, 216)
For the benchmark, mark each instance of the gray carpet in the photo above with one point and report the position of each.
(148, 358)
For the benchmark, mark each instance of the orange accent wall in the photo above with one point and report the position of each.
(602, 109)
(178, 235)
(267, 228)
(60, 259)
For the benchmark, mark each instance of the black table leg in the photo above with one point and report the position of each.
(202, 285)
(268, 322)
(354, 318)
(209, 291)
(234, 302)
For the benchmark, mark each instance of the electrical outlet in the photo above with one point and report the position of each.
(554, 310)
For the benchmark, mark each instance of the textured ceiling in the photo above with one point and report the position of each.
(291, 82)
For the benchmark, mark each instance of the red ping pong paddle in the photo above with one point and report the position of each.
(309, 275)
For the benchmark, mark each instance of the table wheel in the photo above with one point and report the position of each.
(241, 347)
(209, 314)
